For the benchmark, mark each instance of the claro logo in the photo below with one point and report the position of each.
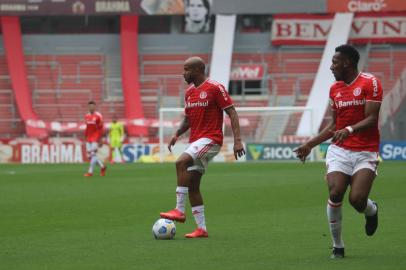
(377, 5)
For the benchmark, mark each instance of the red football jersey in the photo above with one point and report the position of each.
(204, 107)
(349, 103)
(94, 127)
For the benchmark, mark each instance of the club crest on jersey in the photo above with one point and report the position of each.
(357, 91)
(203, 95)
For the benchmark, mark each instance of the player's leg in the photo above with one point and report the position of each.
(183, 181)
(361, 185)
(337, 186)
(115, 146)
(92, 162)
(197, 170)
(103, 168)
(196, 201)
(339, 170)
(195, 196)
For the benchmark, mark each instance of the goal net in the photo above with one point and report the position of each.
(269, 133)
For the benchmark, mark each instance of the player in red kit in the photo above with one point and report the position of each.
(352, 158)
(93, 134)
(205, 101)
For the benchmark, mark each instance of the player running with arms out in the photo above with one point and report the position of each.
(93, 134)
(352, 158)
(205, 101)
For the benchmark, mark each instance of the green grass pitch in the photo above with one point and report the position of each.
(259, 216)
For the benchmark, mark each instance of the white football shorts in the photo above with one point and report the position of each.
(202, 151)
(350, 162)
(91, 148)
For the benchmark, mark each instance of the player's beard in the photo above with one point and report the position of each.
(188, 80)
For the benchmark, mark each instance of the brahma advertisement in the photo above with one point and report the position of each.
(314, 29)
(70, 150)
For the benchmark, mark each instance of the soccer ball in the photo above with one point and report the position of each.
(164, 229)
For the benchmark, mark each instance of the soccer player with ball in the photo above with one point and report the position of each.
(352, 158)
(205, 101)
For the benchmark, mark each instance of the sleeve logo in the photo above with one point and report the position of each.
(375, 87)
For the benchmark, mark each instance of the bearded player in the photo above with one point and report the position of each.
(352, 158)
(94, 134)
(205, 101)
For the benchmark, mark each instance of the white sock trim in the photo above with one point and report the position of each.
(198, 214)
(181, 197)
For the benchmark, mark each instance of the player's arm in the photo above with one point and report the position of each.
(235, 126)
(184, 126)
(304, 150)
(371, 118)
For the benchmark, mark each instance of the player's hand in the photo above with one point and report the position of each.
(238, 149)
(302, 152)
(340, 135)
(100, 144)
(172, 143)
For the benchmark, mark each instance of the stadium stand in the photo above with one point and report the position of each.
(62, 83)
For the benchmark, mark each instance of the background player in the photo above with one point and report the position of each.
(205, 101)
(116, 137)
(93, 134)
(352, 159)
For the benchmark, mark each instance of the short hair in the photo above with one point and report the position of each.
(91, 102)
(350, 52)
(206, 5)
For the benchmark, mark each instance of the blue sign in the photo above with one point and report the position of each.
(393, 150)
(132, 152)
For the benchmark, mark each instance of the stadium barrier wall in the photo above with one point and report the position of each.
(57, 150)
(69, 150)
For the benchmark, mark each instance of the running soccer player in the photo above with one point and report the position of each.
(116, 137)
(93, 134)
(205, 101)
(352, 158)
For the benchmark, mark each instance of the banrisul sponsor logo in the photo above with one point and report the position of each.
(354, 102)
(197, 104)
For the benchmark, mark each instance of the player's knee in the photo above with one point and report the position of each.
(336, 196)
(358, 201)
(182, 163)
(194, 189)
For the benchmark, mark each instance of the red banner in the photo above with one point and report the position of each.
(54, 150)
(365, 5)
(314, 29)
(246, 72)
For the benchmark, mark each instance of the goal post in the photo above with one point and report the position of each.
(261, 127)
